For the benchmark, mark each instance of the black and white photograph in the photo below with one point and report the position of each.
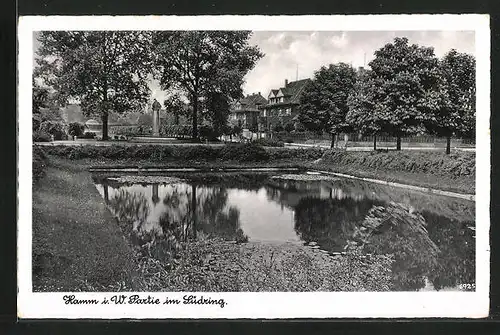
(223, 170)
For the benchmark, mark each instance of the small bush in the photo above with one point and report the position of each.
(278, 128)
(198, 152)
(55, 129)
(37, 120)
(207, 132)
(289, 127)
(76, 129)
(41, 136)
(248, 152)
(88, 135)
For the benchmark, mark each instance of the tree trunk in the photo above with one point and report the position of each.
(346, 140)
(176, 119)
(448, 145)
(193, 201)
(195, 117)
(106, 192)
(332, 144)
(104, 120)
(375, 142)
(398, 142)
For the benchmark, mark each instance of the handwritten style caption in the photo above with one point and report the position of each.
(136, 299)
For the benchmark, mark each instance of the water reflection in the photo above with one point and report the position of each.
(429, 236)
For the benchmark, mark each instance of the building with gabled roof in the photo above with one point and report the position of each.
(247, 110)
(282, 106)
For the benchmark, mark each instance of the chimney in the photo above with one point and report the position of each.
(286, 82)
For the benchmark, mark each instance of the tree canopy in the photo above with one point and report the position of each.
(203, 62)
(323, 104)
(402, 90)
(456, 115)
(104, 70)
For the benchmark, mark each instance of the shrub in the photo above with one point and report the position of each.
(54, 128)
(41, 136)
(207, 132)
(88, 135)
(76, 129)
(248, 152)
(308, 154)
(278, 128)
(131, 130)
(269, 142)
(198, 152)
(289, 127)
(438, 163)
(37, 120)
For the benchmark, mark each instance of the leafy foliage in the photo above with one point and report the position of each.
(41, 136)
(76, 129)
(200, 63)
(455, 165)
(244, 153)
(323, 104)
(400, 92)
(54, 128)
(457, 110)
(104, 70)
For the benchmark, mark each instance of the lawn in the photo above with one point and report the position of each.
(77, 244)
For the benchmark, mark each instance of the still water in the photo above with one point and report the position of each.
(325, 214)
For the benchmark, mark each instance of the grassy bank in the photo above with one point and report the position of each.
(454, 172)
(77, 244)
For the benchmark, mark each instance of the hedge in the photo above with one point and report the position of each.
(247, 152)
(457, 164)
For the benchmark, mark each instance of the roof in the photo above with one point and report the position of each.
(250, 103)
(294, 89)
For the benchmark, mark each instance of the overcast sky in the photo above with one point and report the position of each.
(284, 51)
(308, 50)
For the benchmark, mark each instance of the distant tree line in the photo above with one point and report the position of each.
(407, 91)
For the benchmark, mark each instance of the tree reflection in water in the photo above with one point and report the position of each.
(456, 262)
(424, 245)
(188, 212)
(329, 222)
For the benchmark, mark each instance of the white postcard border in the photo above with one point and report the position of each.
(261, 305)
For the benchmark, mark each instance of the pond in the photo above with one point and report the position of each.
(431, 237)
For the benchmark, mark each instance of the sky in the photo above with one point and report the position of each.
(308, 50)
(298, 54)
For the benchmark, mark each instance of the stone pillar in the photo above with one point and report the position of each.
(156, 118)
(156, 123)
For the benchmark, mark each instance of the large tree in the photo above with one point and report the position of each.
(204, 62)
(455, 115)
(406, 80)
(105, 71)
(361, 102)
(323, 104)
